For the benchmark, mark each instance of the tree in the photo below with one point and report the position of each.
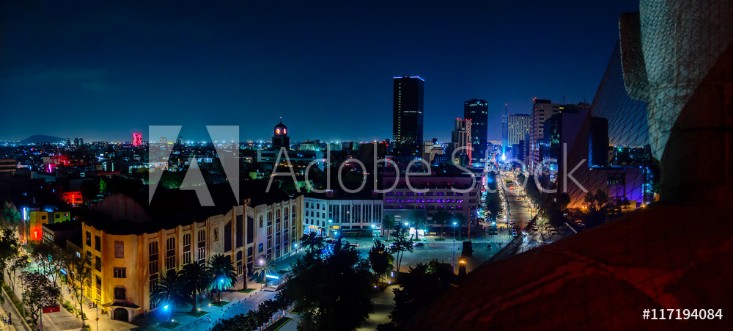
(170, 291)
(79, 273)
(442, 217)
(419, 288)
(222, 272)
(196, 278)
(18, 263)
(49, 258)
(42, 292)
(420, 219)
(380, 260)
(333, 293)
(562, 200)
(264, 268)
(253, 319)
(596, 208)
(8, 247)
(10, 215)
(265, 311)
(311, 242)
(400, 245)
(388, 223)
(596, 201)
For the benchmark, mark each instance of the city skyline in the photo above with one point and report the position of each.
(145, 65)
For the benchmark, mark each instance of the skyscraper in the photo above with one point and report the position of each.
(460, 138)
(518, 125)
(407, 120)
(504, 132)
(477, 111)
(542, 110)
(518, 129)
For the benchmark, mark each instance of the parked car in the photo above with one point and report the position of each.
(419, 244)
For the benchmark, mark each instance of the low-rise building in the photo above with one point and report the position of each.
(334, 214)
(132, 246)
(454, 194)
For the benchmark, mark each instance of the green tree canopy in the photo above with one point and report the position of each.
(196, 278)
(333, 293)
(380, 260)
(223, 274)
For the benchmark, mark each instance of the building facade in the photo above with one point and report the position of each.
(461, 140)
(518, 127)
(477, 111)
(128, 261)
(454, 194)
(407, 116)
(337, 216)
(541, 111)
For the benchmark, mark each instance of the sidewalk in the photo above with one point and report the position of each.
(15, 315)
(104, 323)
(237, 303)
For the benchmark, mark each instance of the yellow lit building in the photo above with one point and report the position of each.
(37, 218)
(130, 250)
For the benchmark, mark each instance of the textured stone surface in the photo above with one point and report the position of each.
(680, 43)
(674, 254)
(627, 117)
(602, 278)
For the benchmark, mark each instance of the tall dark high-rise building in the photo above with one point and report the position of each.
(504, 132)
(477, 111)
(598, 142)
(407, 120)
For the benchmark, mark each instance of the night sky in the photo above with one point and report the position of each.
(100, 71)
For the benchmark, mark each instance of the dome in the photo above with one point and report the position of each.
(280, 129)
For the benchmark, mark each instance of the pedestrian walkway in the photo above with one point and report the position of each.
(236, 303)
(10, 310)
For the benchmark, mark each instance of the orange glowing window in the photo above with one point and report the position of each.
(73, 198)
(277, 131)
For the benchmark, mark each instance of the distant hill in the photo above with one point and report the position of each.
(40, 139)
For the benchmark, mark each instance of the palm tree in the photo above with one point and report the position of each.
(222, 272)
(262, 269)
(388, 223)
(419, 218)
(441, 217)
(170, 291)
(311, 242)
(197, 278)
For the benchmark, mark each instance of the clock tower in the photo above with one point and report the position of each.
(280, 136)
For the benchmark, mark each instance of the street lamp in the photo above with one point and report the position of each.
(166, 309)
(453, 260)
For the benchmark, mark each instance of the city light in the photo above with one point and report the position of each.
(562, 176)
